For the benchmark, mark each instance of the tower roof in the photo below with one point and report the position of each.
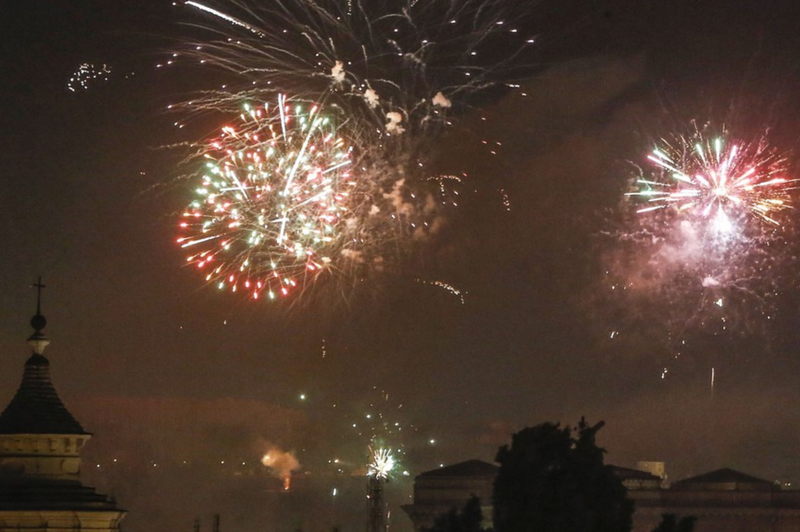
(36, 407)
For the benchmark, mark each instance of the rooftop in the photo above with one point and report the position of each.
(723, 476)
(470, 468)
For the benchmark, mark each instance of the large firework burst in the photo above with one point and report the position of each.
(282, 199)
(391, 71)
(273, 200)
(712, 207)
(710, 250)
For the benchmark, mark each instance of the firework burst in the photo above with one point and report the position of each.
(715, 211)
(708, 252)
(273, 200)
(394, 72)
(282, 199)
(717, 183)
(381, 463)
(713, 221)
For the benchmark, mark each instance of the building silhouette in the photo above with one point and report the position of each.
(40, 462)
(724, 500)
(438, 491)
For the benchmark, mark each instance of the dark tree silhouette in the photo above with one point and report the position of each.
(472, 515)
(553, 479)
(670, 523)
(469, 519)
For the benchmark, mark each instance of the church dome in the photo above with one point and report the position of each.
(36, 407)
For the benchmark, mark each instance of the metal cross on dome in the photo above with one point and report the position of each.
(38, 285)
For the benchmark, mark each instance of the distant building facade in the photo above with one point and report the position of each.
(40, 463)
(722, 501)
(658, 469)
(437, 491)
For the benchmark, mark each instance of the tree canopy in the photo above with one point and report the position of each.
(671, 523)
(469, 519)
(553, 479)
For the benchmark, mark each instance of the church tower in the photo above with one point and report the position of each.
(40, 463)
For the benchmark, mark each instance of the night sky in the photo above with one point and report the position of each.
(174, 377)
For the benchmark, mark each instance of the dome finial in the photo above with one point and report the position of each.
(38, 341)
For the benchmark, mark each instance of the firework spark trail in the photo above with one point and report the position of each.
(448, 195)
(375, 421)
(380, 420)
(396, 67)
(223, 16)
(448, 287)
(87, 75)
